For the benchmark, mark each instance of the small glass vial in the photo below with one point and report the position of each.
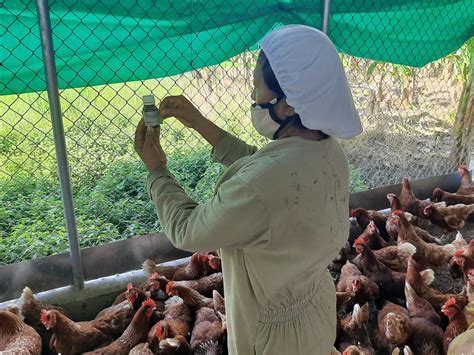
(150, 111)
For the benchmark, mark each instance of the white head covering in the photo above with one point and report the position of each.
(310, 73)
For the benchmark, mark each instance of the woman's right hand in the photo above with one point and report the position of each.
(181, 108)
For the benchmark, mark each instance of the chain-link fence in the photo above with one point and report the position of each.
(408, 113)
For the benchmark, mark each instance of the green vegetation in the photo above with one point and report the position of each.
(107, 177)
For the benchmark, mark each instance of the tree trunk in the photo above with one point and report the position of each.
(462, 130)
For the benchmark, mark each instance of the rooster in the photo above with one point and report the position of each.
(16, 337)
(135, 333)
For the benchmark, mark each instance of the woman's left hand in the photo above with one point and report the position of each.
(148, 147)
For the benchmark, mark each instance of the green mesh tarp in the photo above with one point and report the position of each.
(100, 42)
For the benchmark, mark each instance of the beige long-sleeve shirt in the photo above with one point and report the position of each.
(279, 216)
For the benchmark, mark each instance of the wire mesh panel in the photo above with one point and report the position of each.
(408, 115)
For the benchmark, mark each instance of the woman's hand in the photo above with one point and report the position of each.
(148, 147)
(181, 108)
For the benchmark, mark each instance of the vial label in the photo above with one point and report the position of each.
(151, 118)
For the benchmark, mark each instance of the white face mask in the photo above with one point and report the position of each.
(265, 120)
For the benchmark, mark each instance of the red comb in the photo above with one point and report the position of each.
(398, 212)
(353, 212)
(169, 286)
(129, 286)
(450, 302)
(159, 330)
(148, 302)
(459, 252)
(44, 316)
(358, 241)
(345, 353)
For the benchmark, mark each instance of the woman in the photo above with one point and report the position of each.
(280, 214)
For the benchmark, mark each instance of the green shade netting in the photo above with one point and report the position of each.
(100, 42)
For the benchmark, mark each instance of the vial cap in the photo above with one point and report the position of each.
(148, 99)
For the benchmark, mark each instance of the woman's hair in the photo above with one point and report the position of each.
(269, 76)
(272, 83)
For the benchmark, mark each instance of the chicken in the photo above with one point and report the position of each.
(371, 237)
(467, 187)
(393, 229)
(205, 285)
(207, 334)
(177, 320)
(390, 282)
(136, 332)
(409, 202)
(394, 325)
(195, 269)
(364, 217)
(343, 297)
(141, 349)
(219, 303)
(70, 337)
(352, 280)
(393, 256)
(449, 218)
(354, 331)
(426, 254)
(341, 259)
(457, 321)
(151, 287)
(465, 264)
(31, 311)
(16, 337)
(436, 298)
(214, 262)
(175, 346)
(427, 335)
(191, 298)
(451, 198)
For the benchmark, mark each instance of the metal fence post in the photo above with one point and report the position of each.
(326, 14)
(59, 140)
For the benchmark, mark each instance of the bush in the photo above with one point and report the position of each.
(111, 207)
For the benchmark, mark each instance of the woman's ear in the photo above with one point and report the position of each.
(289, 110)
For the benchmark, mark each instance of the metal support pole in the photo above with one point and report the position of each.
(59, 141)
(326, 15)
